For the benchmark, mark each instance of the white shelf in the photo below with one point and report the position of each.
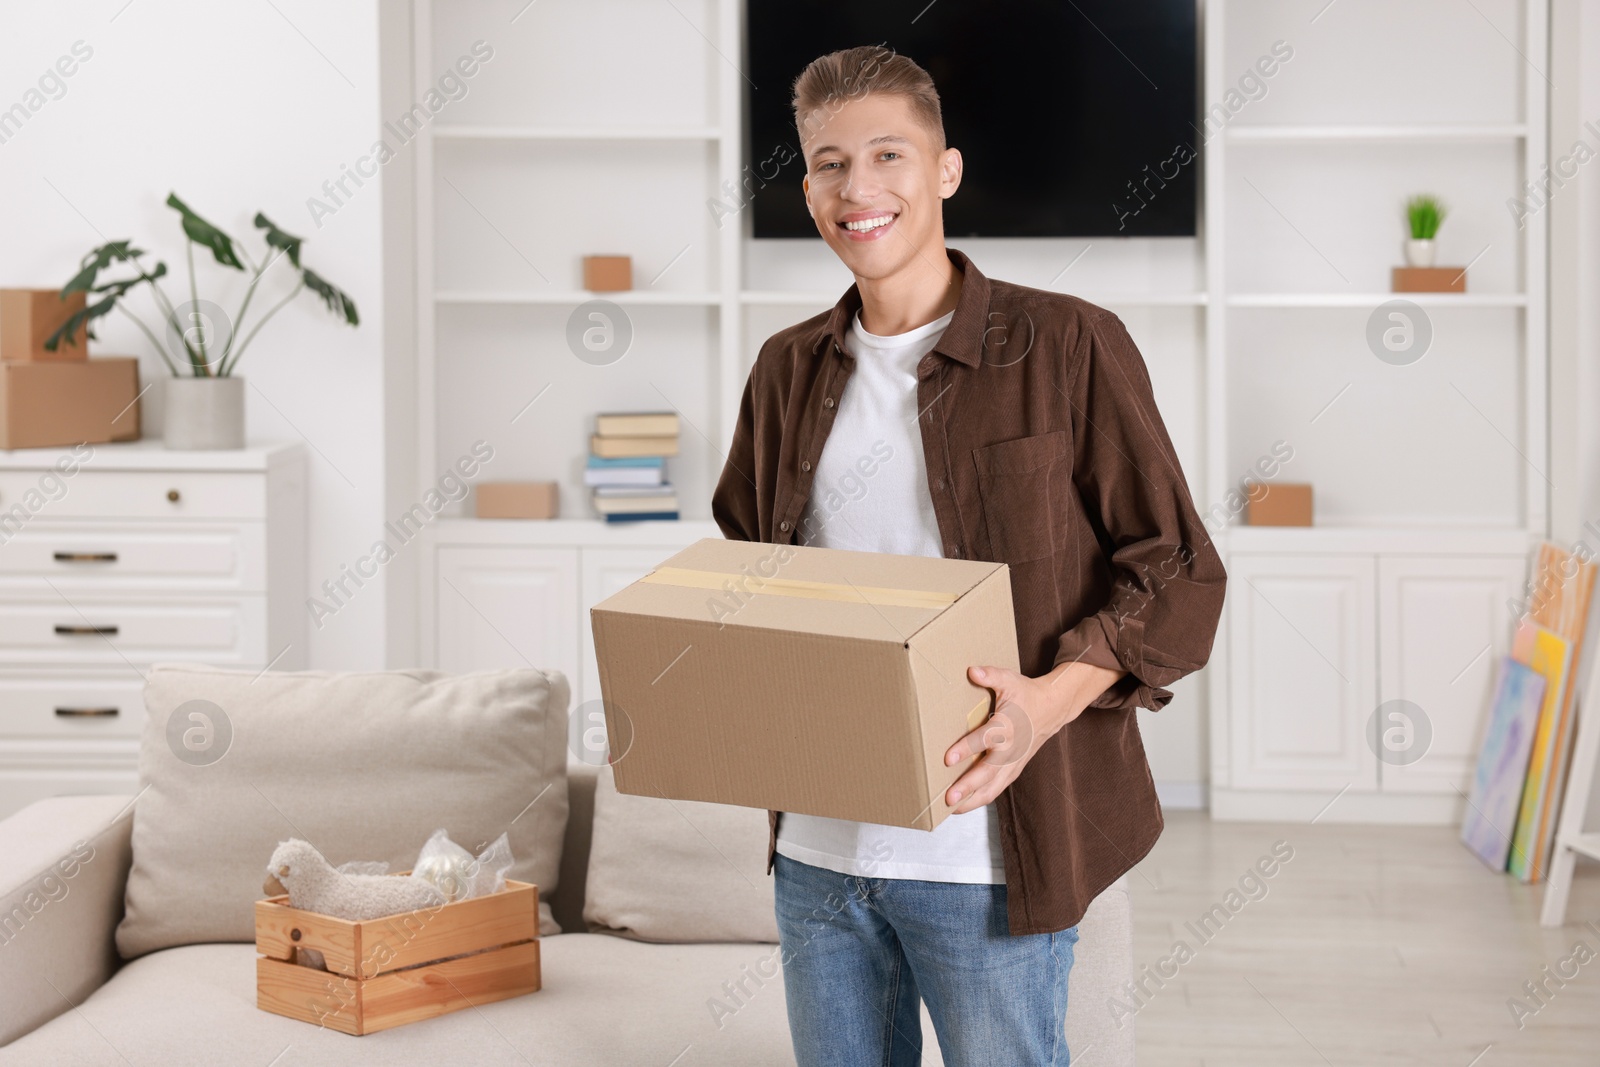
(776, 297)
(577, 133)
(1442, 133)
(1430, 539)
(462, 530)
(1155, 300)
(578, 296)
(1371, 300)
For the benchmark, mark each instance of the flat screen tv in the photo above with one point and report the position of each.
(1075, 118)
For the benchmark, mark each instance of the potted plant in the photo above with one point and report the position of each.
(199, 342)
(1423, 214)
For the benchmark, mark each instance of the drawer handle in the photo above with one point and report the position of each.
(86, 557)
(86, 713)
(172, 495)
(108, 631)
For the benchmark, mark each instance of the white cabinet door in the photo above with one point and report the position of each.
(1443, 624)
(1303, 660)
(500, 607)
(605, 571)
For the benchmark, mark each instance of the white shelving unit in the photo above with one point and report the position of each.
(512, 131)
(1428, 476)
(1431, 490)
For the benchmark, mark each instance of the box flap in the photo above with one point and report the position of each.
(864, 595)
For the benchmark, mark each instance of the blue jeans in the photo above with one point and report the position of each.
(858, 954)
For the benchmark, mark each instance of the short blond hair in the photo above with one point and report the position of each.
(832, 80)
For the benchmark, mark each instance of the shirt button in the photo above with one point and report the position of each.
(805, 464)
(827, 401)
(953, 551)
(784, 525)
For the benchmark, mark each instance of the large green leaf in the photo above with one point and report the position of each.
(97, 261)
(113, 291)
(337, 299)
(202, 232)
(84, 318)
(288, 242)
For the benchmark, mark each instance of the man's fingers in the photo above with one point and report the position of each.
(969, 785)
(969, 745)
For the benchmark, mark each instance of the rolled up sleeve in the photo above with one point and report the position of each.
(1167, 579)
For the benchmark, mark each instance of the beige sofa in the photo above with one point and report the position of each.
(69, 998)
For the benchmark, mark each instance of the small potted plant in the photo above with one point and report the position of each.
(1423, 214)
(199, 342)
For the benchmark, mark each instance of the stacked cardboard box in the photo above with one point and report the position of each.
(49, 399)
(628, 465)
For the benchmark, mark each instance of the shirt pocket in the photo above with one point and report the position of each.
(1021, 483)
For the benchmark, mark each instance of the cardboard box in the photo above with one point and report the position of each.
(1429, 280)
(387, 972)
(603, 274)
(1279, 504)
(45, 405)
(27, 319)
(810, 680)
(517, 500)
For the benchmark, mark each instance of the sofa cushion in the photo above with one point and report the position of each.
(606, 1000)
(363, 765)
(677, 870)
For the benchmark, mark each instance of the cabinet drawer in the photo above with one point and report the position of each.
(120, 631)
(28, 496)
(73, 706)
(106, 557)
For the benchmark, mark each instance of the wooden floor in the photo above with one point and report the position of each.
(1372, 945)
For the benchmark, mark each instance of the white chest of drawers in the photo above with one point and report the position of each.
(115, 557)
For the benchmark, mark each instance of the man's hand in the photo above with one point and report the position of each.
(1027, 712)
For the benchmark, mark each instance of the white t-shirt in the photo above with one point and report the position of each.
(871, 495)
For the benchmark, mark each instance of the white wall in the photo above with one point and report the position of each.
(1574, 285)
(237, 108)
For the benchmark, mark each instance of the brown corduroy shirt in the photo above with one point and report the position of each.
(1044, 451)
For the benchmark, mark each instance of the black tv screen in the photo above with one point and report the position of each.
(1075, 118)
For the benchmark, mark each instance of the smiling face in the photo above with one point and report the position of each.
(876, 183)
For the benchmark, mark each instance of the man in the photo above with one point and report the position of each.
(934, 411)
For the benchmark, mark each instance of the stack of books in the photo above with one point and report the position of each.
(628, 467)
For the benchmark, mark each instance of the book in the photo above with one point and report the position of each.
(636, 516)
(613, 462)
(637, 424)
(664, 489)
(611, 447)
(623, 477)
(1491, 815)
(611, 505)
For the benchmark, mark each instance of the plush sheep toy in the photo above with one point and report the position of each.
(313, 884)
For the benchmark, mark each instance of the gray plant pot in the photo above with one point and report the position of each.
(204, 413)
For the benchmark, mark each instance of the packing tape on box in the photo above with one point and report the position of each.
(800, 587)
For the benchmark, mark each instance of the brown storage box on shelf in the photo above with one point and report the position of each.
(607, 274)
(27, 319)
(1281, 504)
(46, 405)
(517, 500)
(394, 970)
(812, 680)
(1429, 279)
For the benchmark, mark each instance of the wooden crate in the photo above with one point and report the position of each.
(392, 971)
